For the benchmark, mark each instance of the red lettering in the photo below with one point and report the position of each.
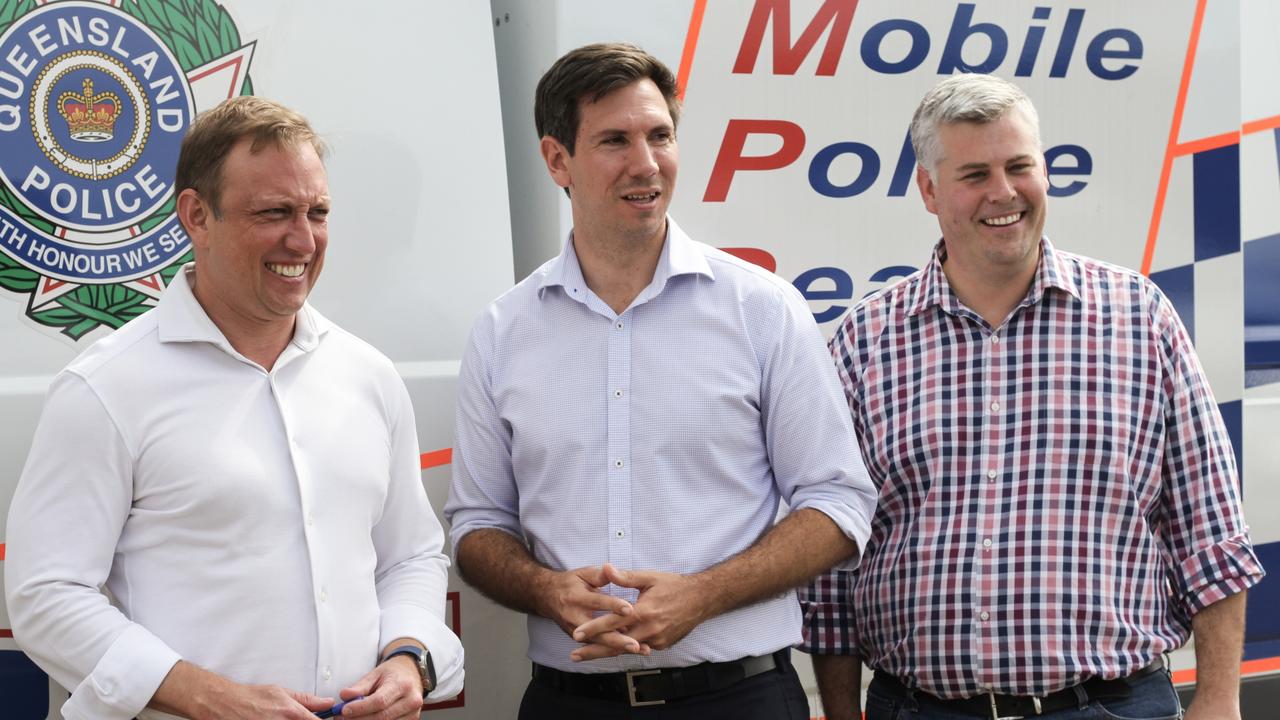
(730, 160)
(836, 14)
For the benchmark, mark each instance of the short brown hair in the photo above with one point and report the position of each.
(215, 131)
(591, 72)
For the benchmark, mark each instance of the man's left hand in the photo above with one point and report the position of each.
(668, 608)
(392, 691)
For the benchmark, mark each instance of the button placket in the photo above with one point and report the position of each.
(618, 470)
(990, 396)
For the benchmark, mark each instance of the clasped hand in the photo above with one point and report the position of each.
(668, 607)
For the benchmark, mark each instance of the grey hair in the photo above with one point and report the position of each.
(970, 98)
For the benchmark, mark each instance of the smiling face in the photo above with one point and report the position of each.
(623, 170)
(989, 192)
(258, 258)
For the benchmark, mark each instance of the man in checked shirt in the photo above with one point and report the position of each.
(1059, 504)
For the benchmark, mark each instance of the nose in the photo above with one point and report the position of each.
(1000, 188)
(642, 160)
(301, 234)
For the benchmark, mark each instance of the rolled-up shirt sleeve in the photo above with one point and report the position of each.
(412, 575)
(483, 493)
(63, 526)
(811, 442)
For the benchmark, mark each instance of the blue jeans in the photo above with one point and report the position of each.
(1153, 698)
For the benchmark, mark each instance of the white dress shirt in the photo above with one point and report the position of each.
(268, 526)
(660, 439)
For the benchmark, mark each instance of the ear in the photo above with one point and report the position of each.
(195, 217)
(556, 156)
(928, 192)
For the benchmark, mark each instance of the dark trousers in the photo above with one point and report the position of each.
(774, 695)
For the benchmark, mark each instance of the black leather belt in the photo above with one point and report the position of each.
(660, 685)
(1006, 707)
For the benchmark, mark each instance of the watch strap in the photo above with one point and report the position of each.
(421, 658)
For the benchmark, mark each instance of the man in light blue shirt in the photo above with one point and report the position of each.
(629, 417)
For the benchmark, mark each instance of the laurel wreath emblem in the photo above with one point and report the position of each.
(197, 32)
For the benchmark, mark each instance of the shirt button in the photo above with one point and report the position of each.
(984, 615)
(617, 463)
(991, 474)
(619, 325)
(621, 534)
(324, 595)
(311, 519)
(986, 542)
(995, 407)
(328, 673)
(995, 339)
(617, 393)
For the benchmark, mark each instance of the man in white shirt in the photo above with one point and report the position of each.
(238, 474)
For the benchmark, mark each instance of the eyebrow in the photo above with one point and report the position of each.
(620, 131)
(981, 165)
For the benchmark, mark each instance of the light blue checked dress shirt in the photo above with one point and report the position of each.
(660, 439)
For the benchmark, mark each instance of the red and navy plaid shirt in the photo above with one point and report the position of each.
(1058, 495)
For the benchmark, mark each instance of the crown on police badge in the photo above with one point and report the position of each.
(90, 118)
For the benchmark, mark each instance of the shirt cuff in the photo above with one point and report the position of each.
(125, 678)
(445, 647)
(853, 524)
(1219, 571)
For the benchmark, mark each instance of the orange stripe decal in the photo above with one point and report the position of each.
(1209, 143)
(690, 46)
(436, 458)
(1254, 126)
(1248, 667)
(1166, 169)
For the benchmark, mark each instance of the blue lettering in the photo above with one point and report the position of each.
(1083, 166)
(843, 290)
(1031, 47)
(893, 272)
(962, 28)
(820, 169)
(1067, 43)
(874, 38)
(903, 173)
(1098, 52)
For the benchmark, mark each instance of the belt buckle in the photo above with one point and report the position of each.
(995, 712)
(631, 688)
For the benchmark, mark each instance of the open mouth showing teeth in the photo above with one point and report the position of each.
(1003, 220)
(286, 270)
(647, 197)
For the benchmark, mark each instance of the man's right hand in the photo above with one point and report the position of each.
(500, 565)
(193, 692)
(573, 597)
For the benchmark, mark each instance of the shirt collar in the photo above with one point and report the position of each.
(180, 318)
(680, 256)
(933, 288)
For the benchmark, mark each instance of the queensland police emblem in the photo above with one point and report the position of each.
(95, 97)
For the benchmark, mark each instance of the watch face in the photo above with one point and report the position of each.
(428, 669)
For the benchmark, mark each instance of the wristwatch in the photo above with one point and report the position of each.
(422, 658)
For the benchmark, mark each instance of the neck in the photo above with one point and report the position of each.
(617, 269)
(258, 340)
(992, 293)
